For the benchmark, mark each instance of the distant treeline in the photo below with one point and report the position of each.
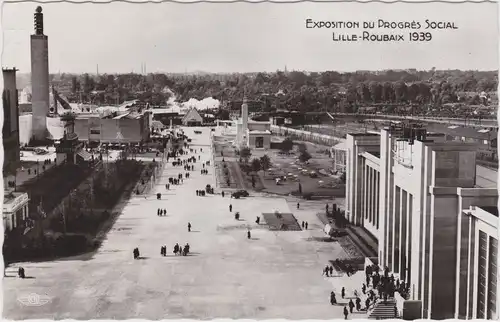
(293, 90)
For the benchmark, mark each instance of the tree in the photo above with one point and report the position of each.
(265, 162)
(304, 156)
(287, 145)
(256, 165)
(302, 147)
(245, 154)
(75, 86)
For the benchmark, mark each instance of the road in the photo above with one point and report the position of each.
(273, 275)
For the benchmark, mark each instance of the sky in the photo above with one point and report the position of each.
(244, 37)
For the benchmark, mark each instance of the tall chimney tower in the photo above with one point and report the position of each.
(39, 77)
(10, 128)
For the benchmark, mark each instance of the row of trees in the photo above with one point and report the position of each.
(294, 90)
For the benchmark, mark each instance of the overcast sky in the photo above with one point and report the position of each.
(244, 37)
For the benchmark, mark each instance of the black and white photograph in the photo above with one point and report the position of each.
(250, 160)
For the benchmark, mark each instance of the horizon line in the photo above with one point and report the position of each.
(267, 72)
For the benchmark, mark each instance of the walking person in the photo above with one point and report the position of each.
(351, 306)
(230, 208)
(333, 300)
(358, 304)
(307, 225)
(189, 227)
(342, 292)
(346, 313)
(298, 205)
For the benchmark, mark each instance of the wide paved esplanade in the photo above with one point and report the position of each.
(420, 198)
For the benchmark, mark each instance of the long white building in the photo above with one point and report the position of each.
(410, 189)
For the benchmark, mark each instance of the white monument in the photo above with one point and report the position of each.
(243, 132)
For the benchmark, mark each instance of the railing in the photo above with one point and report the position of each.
(400, 302)
(485, 122)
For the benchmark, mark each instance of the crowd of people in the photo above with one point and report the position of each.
(380, 285)
(188, 165)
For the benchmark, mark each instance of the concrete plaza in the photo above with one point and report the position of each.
(276, 274)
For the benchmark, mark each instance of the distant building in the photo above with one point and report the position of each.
(252, 134)
(127, 128)
(192, 118)
(69, 148)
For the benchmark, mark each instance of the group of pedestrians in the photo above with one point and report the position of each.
(385, 284)
(349, 307)
(162, 212)
(177, 250)
(200, 193)
(328, 271)
(305, 225)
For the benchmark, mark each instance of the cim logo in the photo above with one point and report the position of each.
(34, 299)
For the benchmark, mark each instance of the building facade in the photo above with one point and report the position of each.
(10, 130)
(192, 118)
(408, 189)
(116, 130)
(477, 259)
(250, 133)
(14, 210)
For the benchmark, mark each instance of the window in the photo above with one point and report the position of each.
(492, 280)
(481, 280)
(259, 142)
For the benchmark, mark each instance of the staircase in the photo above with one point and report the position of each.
(365, 243)
(281, 221)
(384, 310)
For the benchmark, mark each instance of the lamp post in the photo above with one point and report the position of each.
(15, 179)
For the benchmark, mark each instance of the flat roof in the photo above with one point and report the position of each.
(462, 131)
(364, 134)
(491, 210)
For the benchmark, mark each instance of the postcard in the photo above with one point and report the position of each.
(250, 160)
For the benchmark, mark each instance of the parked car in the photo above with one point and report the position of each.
(240, 193)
